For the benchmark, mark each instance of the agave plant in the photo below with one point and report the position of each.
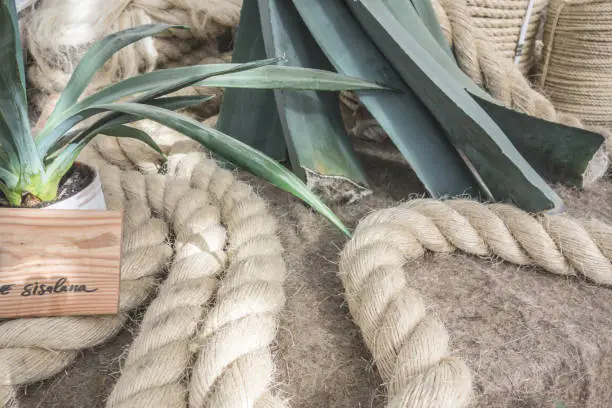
(456, 137)
(33, 166)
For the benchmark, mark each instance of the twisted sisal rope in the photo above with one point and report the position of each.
(501, 22)
(409, 346)
(35, 349)
(577, 59)
(236, 333)
(160, 355)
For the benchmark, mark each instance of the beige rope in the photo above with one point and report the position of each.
(501, 22)
(409, 346)
(35, 349)
(249, 299)
(577, 59)
(159, 357)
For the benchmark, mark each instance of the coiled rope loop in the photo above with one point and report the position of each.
(410, 346)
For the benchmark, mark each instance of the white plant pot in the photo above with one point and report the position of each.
(90, 198)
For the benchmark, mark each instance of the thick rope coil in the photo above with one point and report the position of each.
(35, 349)
(160, 356)
(501, 22)
(84, 21)
(409, 346)
(557, 244)
(235, 337)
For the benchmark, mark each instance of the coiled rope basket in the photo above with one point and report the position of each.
(576, 69)
(501, 21)
(205, 339)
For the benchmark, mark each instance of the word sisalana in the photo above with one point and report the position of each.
(41, 289)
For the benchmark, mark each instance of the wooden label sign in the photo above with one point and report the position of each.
(59, 262)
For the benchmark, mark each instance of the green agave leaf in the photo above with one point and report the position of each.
(496, 161)
(251, 115)
(545, 145)
(18, 51)
(95, 58)
(233, 151)
(428, 17)
(12, 197)
(559, 153)
(4, 159)
(312, 122)
(7, 144)
(292, 78)
(8, 178)
(172, 103)
(137, 84)
(14, 120)
(133, 133)
(402, 115)
(45, 142)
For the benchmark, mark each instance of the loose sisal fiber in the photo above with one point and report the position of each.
(577, 59)
(58, 32)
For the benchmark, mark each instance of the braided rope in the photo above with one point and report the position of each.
(409, 346)
(35, 349)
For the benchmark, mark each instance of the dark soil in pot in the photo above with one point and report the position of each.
(77, 178)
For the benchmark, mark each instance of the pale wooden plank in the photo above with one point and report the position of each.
(76, 254)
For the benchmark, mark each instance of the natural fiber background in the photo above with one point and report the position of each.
(530, 338)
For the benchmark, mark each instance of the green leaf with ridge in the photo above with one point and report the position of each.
(312, 123)
(485, 146)
(132, 133)
(251, 115)
(19, 48)
(428, 16)
(546, 145)
(15, 124)
(97, 55)
(48, 139)
(230, 149)
(411, 127)
(8, 178)
(172, 103)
